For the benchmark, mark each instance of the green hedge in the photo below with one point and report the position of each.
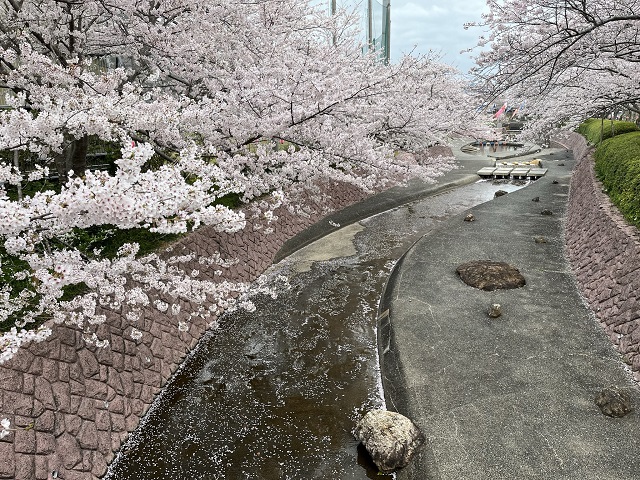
(618, 167)
(591, 127)
(103, 237)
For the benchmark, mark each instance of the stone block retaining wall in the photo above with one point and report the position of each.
(604, 252)
(73, 405)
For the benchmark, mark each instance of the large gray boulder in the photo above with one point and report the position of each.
(390, 438)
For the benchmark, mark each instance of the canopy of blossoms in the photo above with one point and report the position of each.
(199, 96)
(568, 59)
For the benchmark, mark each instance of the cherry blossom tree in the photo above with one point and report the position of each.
(200, 96)
(569, 59)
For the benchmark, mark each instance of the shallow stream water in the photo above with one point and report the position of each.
(274, 394)
(488, 148)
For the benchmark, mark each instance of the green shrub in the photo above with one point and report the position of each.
(108, 239)
(618, 168)
(105, 238)
(591, 128)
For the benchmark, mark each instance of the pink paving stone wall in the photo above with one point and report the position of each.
(74, 405)
(604, 252)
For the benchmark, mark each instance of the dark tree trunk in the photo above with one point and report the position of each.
(78, 155)
(61, 167)
(73, 157)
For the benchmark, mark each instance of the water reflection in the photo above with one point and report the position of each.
(493, 146)
(274, 394)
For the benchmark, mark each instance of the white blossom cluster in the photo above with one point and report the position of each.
(5, 430)
(209, 101)
(567, 60)
(12, 340)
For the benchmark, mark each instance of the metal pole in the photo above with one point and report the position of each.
(333, 12)
(386, 26)
(370, 25)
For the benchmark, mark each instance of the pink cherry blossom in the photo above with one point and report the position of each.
(260, 100)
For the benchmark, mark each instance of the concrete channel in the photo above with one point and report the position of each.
(274, 393)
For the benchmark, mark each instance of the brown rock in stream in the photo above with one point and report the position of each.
(489, 275)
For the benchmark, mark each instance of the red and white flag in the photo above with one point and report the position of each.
(501, 111)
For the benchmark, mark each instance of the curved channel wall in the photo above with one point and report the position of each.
(604, 252)
(73, 405)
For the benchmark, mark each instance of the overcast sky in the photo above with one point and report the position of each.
(435, 25)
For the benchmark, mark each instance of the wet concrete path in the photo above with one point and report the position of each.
(274, 394)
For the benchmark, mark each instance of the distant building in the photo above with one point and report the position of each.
(376, 25)
(376, 20)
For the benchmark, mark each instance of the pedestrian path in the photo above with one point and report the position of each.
(512, 397)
